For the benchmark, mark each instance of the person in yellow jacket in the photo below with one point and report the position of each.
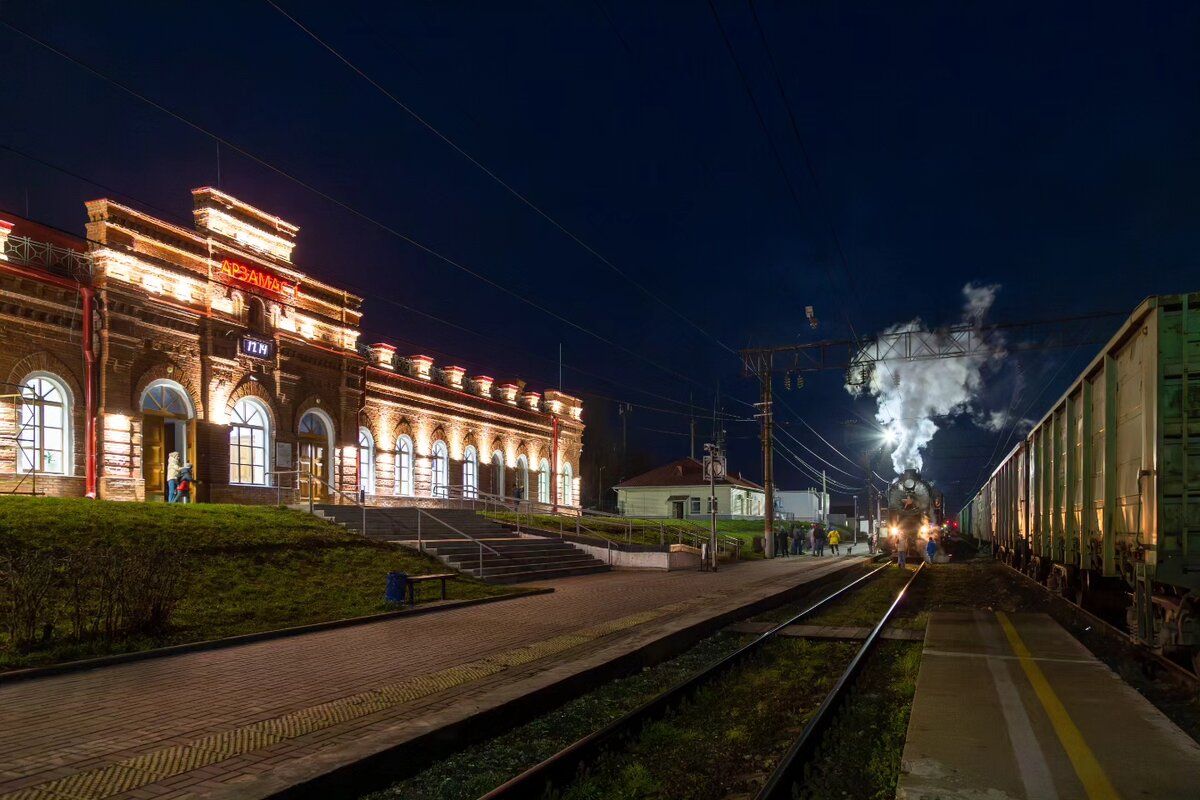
(835, 539)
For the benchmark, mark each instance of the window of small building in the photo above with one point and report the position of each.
(694, 505)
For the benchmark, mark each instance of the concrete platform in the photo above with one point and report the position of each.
(1012, 706)
(307, 711)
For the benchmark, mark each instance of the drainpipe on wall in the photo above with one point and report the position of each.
(89, 393)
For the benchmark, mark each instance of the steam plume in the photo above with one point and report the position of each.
(911, 394)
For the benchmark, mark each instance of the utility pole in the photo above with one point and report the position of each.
(824, 500)
(872, 520)
(856, 525)
(624, 408)
(768, 434)
(714, 454)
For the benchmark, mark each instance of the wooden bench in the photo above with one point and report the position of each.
(413, 580)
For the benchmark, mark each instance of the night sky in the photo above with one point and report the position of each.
(1051, 148)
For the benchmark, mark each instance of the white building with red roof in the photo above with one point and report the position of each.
(679, 490)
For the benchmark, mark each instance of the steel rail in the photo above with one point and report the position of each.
(562, 767)
(1139, 649)
(790, 769)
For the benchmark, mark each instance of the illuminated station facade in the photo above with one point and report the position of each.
(148, 338)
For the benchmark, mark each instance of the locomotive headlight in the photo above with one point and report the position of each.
(895, 531)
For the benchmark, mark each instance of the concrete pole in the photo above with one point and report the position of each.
(824, 500)
(712, 504)
(768, 434)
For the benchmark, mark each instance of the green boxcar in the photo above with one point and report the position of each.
(1101, 500)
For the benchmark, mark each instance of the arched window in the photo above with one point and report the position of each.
(256, 316)
(366, 461)
(440, 483)
(404, 466)
(249, 433)
(44, 437)
(544, 481)
(167, 398)
(498, 473)
(564, 495)
(470, 473)
(523, 476)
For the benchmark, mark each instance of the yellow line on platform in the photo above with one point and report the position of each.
(1087, 767)
(152, 767)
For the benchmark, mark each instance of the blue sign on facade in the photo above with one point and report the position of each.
(257, 348)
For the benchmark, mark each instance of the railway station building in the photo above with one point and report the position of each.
(144, 338)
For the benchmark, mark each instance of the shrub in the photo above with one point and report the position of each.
(105, 593)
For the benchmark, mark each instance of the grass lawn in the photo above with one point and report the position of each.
(246, 569)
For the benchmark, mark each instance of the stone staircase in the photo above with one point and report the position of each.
(506, 556)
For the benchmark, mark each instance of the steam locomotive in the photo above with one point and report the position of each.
(915, 507)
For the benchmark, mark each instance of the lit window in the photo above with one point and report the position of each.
(564, 495)
(404, 466)
(498, 474)
(44, 437)
(544, 481)
(470, 473)
(522, 477)
(440, 484)
(249, 432)
(366, 461)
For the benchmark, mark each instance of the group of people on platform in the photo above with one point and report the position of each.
(818, 538)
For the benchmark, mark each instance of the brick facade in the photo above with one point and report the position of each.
(193, 327)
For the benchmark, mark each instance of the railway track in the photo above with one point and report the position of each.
(556, 772)
(1150, 661)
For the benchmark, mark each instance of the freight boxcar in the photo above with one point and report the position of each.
(1101, 500)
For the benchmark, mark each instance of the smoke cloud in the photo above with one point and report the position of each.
(910, 395)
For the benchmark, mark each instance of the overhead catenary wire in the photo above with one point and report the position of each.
(828, 444)
(816, 455)
(342, 204)
(500, 181)
(813, 474)
(782, 446)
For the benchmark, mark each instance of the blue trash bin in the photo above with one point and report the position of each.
(396, 582)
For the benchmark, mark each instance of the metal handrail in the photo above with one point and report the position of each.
(328, 484)
(469, 537)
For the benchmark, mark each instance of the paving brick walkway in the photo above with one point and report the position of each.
(249, 720)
